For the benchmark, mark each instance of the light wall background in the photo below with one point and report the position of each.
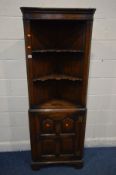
(101, 117)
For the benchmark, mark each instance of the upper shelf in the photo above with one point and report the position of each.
(57, 51)
(57, 77)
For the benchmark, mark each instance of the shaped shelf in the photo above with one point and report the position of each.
(57, 77)
(56, 51)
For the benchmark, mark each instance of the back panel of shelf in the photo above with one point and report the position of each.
(57, 34)
(57, 64)
(63, 90)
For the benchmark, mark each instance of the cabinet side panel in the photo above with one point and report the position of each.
(28, 53)
(86, 58)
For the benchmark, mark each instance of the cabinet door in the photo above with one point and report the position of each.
(71, 135)
(58, 136)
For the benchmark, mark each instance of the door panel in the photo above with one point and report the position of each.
(48, 146)
(58, 135)
(67, 145)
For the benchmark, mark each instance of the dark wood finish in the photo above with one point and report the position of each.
(57, 43)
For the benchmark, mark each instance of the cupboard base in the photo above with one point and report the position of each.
(38, 165)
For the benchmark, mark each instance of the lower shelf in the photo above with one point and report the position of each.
(57, 104)
(57, 77)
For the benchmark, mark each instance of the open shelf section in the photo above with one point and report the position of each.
(57, 51)
(57, 77)
(57, 104)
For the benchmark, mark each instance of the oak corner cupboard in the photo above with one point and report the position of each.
(57, 44)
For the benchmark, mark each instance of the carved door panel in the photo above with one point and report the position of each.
(58, 136)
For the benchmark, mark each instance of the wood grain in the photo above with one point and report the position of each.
(57, 43)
